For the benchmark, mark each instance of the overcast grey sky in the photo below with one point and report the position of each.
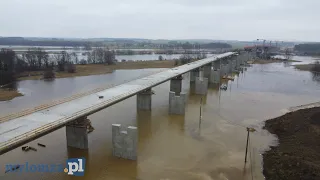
(165, 19)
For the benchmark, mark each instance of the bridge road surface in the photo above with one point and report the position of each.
(20, 130)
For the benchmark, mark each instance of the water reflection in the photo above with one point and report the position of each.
(316, 76)
(144, 124)
(213, 88)
(177, 122)
(79, 153)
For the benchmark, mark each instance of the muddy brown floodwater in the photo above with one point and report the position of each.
(178, 147)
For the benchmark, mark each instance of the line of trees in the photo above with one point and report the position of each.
(7, 71)
(187, 58)
(99, 56)
(118, 43)
(37, 59)
(308, 49)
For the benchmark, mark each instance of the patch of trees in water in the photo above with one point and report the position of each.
(316, 71)
(12, 65)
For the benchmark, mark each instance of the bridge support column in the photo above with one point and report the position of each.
(144, 100)
(229, 67)
(193, 74)
(124, 143)
(207, 71)
(224, 70)
(234, 65)
(77, 134)
(177, 103)
(238, 63)
(176, 84)
(240, 59)
(215, 76)
(201, 86)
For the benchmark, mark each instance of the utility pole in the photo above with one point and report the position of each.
(248, 134)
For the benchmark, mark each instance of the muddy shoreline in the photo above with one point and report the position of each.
(297, 156)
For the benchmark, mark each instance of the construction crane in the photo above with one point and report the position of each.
(264, 51)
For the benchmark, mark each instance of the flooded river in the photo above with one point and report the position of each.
(171, 147)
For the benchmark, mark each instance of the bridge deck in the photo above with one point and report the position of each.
(18, 131)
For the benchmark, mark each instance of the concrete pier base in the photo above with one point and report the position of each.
(223, 70)
(144, 100)
(240, 59)
(124, 142)
(229, 71)
(77, 134)
(234, 65)
(215, 76)
(176, 84)
(194, 74)
(177, 103)
(237, 63)
(201, 86)
(207, 71)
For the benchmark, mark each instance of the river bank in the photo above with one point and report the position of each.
(297, 155)
(304, 67)
(6, 95)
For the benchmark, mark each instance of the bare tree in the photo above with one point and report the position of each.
(31, 59)
(109, 57)
(74, 57)
(288, 54)
(7, 68)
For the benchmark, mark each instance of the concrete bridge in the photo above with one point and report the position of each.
(16, 130)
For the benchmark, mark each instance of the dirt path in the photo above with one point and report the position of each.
(297, 157)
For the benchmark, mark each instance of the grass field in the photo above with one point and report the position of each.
(6, 95)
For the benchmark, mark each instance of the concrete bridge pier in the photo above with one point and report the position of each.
(201, 86)
(223, 70)
(229, 67)
(176, 84)
(207, 70)
(177, 103)
(240, 59)
(144, 100)
(238, 63)
(124, 142)
(193, 74)
(77, 134)
(245, 57)
(216, 64)
(215, 76)
(234, 65)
